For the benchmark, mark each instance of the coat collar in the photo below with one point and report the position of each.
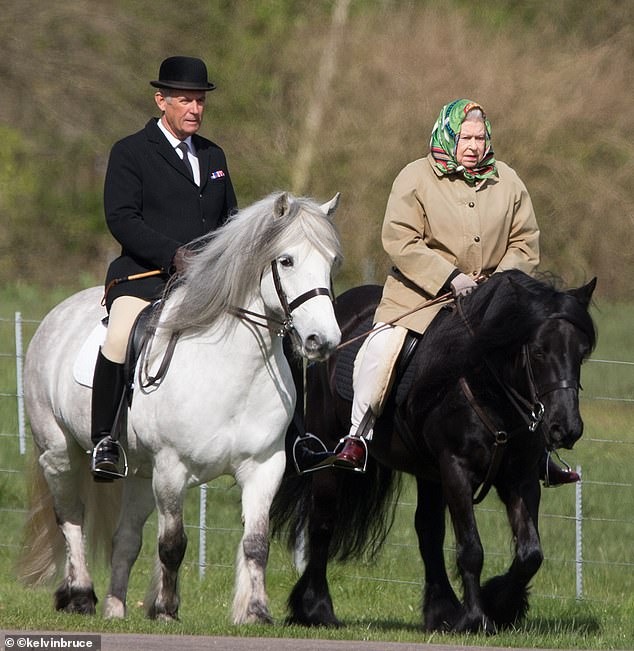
(167, 151)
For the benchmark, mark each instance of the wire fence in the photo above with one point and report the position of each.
(589, 553)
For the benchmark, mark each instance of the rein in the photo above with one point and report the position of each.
(434, 301)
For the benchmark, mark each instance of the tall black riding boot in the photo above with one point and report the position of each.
(107, 389)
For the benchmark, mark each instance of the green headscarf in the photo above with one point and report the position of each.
(444, 141)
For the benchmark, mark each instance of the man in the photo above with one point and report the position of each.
(165, 185)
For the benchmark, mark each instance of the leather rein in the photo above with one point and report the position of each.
(531, 410)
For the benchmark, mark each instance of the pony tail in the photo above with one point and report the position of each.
(42, 550)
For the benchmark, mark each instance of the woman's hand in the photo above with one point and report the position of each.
(462, 285)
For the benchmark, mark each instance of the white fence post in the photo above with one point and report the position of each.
(579, 535)
(19, 357)
(202, 532)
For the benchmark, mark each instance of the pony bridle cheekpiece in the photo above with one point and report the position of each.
(285, 325)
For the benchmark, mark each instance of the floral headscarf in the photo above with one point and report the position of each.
(444, 141)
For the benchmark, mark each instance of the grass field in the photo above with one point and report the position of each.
(380, 600)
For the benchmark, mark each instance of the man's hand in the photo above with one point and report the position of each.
(181, 260)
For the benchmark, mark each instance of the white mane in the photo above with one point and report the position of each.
(226, 269)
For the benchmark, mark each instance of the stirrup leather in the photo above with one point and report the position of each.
(107, 474)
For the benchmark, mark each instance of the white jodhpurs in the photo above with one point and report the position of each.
(123, 314)
(374, 373)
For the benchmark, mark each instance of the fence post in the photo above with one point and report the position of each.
(19, 357)
(202, 531)
(579, 535)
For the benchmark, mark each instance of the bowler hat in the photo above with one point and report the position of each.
(183, 73)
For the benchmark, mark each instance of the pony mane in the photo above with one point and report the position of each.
(227, 264)
(497, 319)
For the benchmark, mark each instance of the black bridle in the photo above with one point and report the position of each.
(285, 325)
(531, 409)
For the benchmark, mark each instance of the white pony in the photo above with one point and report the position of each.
(223, 407)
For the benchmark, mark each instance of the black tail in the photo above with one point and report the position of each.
(356, 509)
(359, 509)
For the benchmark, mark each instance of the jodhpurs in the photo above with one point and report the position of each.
(123, 314)
(373, 377)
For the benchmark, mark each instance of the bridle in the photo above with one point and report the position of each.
(531, 409)
(285, 325)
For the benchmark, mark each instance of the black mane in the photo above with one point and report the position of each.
(492, 322)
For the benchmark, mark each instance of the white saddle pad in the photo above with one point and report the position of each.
(84, 367)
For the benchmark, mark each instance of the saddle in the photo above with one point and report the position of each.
(140, 335)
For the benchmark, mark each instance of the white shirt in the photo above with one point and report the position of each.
(193, 159)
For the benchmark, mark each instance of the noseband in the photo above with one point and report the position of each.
(285, 325)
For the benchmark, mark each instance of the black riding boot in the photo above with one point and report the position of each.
(107, 389)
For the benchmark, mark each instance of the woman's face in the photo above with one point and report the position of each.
(471, 143)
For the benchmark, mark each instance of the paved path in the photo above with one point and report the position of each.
(133, 642)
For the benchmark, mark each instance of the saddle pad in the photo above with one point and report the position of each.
(345, 359)
(404, 370)
(84, 366)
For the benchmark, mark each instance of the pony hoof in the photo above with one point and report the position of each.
(161, 614)
(81, 601)
(113, 608)
(475, 624)
(256, 614)
(166, 617)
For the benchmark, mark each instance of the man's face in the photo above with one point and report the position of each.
(471, 143)
(182, 111)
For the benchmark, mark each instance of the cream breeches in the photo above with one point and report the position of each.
(374, 373)
(123, 314)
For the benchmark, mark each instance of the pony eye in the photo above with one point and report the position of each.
(286, 261)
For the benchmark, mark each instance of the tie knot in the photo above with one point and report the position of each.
(183, 147)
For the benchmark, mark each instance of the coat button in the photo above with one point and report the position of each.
(476, 238)
(471, 204)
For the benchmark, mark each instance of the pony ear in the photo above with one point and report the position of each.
(330, 206)
(280, 207)
(584, 294)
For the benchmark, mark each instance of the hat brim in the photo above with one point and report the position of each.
(182, 85)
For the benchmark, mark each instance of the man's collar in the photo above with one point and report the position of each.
(172, 139)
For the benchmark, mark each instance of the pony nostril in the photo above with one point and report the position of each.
(313, 343)
(315, 347)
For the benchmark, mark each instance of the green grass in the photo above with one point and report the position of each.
(377, 601)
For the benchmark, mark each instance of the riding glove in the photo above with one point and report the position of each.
(462, 284)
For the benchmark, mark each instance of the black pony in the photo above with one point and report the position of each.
(491, 385)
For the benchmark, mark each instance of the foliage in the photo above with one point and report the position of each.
(554, 80)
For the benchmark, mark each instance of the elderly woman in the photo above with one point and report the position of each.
(451, 217)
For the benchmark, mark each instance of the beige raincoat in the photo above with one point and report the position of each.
(435, 224)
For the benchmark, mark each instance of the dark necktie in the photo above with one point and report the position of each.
(184, 148)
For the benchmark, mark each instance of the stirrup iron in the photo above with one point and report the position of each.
(107, 474)
(323, 452)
